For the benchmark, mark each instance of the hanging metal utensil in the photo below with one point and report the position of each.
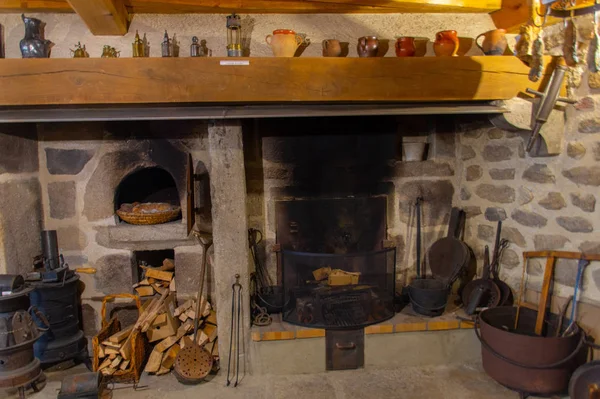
(193, 363)
(570, 44)
(418, 244)
(236, 319)
(594, 52)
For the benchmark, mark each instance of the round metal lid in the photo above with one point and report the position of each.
(585, 378)
(446, 255)
(193, 364)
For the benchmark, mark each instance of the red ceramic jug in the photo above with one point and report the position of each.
(446, 43)
(405, 47)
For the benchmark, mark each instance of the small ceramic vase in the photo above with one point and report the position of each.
(284, 42)
(332, 48)
(405, 47)
(446, 43)
(367, 46)
(494, 42)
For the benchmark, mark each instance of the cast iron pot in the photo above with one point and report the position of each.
(523, 361)
(428, 296)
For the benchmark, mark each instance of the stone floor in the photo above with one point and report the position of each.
(452, 382)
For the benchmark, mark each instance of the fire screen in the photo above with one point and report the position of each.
(338, 291)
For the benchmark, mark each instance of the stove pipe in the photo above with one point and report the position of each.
(50, 249)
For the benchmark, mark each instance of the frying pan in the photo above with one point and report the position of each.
(449, 253)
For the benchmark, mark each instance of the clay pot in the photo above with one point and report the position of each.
(367, 46)
(405, 47)
(284, 42)
(332, 48)
(446, 43)
(494, 42)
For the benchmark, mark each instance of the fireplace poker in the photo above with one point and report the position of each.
(236, 296)
(418, 211)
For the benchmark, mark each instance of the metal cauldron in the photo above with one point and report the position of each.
(428, 296)
(523, 361)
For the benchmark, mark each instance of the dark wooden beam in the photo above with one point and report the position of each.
(103, 17)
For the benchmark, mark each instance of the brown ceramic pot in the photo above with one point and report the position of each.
(494, 42)
(332, 48)
(446, 43)
(284, 42)
(367, 46)
(405, 47)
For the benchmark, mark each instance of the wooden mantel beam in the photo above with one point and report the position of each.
(103, 17)
(263, 6)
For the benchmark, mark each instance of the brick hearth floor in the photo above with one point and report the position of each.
(451, 382)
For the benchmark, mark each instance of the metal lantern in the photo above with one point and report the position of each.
(234, 36)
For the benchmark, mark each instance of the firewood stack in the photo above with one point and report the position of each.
(168, 327)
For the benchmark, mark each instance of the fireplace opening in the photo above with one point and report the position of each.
(146, 185)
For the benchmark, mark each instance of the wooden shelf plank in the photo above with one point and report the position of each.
(265, 80)
(269, 6)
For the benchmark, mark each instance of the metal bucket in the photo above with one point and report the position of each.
(523, 361)
(428, 296)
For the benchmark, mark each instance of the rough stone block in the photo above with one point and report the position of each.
(114, 273)
(474, 172)
(467, 152)
(594, 80)
(71, 238)
(496, 193)
(550, 242)
(586, 202)
(465, 194)
(486, 233)
(590, 247)
(20, 225)
(596, 151)
(424, 168)
(444, 144)
(494, 214)
(514, 236)
(89, 320)
(437, 200)
(587, 175)
(497, 153)
(539, 173)
(187, 271)
(62, 197)
(510, 259)
(495, 133)
(67, 162)
(525, 195)
(502, 174)
(535, 267)
(76, 260)
(585, 104)
(529, 219)
(575, 224)
(565, 271)
(590, 126)
(19, 149)
(553, 201)
(472, 211)
(575, 150)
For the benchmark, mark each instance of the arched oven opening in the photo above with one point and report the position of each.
(148, 185)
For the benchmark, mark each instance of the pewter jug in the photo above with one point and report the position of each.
(33, 44)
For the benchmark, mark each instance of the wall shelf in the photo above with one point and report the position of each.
(204, 81)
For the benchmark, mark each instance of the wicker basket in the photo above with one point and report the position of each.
(149, 218)
(139, 344)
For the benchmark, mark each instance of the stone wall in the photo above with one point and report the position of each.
(65, 30)
(81, 165)
(544, 202)
(20, 215)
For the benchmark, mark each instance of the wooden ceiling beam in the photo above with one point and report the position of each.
(103, 17)
(260, 6)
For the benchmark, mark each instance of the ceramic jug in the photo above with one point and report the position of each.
(405, 47)
(494, 42)
(284, 42)
(367, 46)
(332, 48)
(33, 45)
(446, 43)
